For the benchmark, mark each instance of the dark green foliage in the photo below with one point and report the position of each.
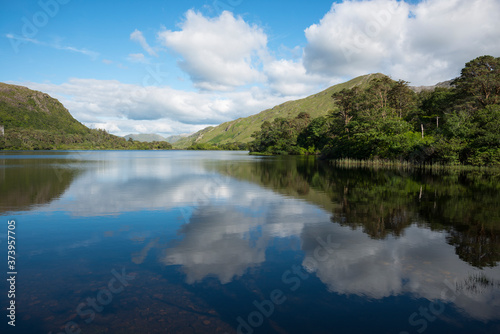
(315, 136)
(479, 81)
(449, 126)
(280, 136)
(29, 139)
(218, 147)
(401, 98)
(484, 137)
(349, 103)
(387, 120)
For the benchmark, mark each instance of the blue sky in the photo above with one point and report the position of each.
(104, 28)
(174, 67)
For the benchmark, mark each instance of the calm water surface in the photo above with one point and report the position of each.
(224, 242)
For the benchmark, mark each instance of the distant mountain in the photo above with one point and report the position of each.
(145, 137)
(240, 130)
(444, 84)
(151, 137)
(174, 139)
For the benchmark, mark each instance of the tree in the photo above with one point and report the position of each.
(348, 104)
(315, 135)
(480, 80)
(435, 105)
(401, 98)
(280, 136)
(380, 88)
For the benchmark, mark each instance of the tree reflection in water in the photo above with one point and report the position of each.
(385, 202)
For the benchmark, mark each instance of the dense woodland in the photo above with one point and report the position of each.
(219, 147)
(91, 139)
(389, 121)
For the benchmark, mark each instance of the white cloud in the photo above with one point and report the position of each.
(422, 43)
(219, 53)
(137, 36)
(121, 108)
(287, 77)
(228, 59)
(108, 126)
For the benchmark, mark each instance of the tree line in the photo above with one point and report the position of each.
(233, 146)
(388, 120)
(87, 139)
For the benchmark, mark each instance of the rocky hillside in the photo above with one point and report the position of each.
(23, 108)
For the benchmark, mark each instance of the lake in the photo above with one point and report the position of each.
(224, 242)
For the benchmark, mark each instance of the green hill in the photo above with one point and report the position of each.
(33, 120)
(21, 107)
(241, 129)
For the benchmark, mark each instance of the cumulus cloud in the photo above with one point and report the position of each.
(138, 37)
(288, 77)
(236, 73)
(219, 53)
(423, 43)
(113, 105)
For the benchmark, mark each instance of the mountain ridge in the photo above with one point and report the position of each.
(241, 129)
(319, 104)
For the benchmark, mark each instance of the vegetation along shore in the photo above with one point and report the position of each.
(370, 118)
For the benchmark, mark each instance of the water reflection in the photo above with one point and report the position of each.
(419, 263)
(26, 183)
(214, 243)
(218, 217)
(385, 203)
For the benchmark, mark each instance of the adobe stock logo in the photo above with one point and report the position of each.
(291, 280)
(87, 310)
(222, 5)
(370, 31)
(31, 26)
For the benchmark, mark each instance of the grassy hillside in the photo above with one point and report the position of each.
(35, 121)
(21, 107)
(240, 130)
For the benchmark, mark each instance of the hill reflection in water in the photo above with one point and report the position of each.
(208, 233)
